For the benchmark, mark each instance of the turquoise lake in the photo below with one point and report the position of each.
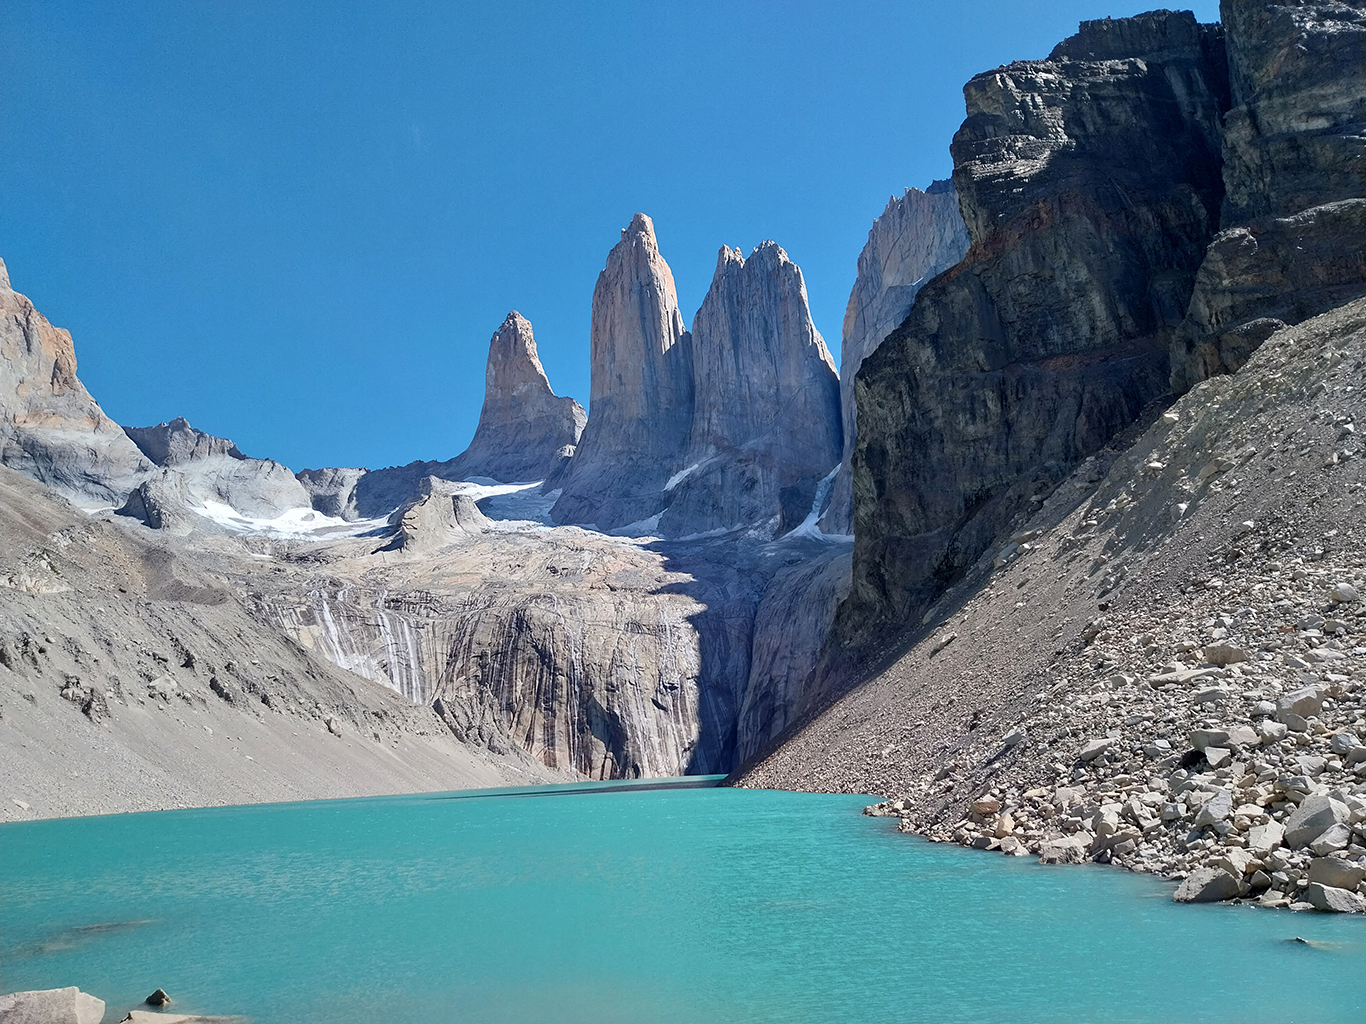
(630, 905)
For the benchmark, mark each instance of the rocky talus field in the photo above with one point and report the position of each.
(1165, 668)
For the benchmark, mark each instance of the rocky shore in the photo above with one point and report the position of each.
(1164, 668)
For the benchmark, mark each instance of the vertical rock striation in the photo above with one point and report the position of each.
(766, 415)
(1293, 243)
(50, 427)
(918, 237)
(641, 400)
(524, 426)
(1053, 332)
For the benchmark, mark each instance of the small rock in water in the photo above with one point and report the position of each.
(158, 998)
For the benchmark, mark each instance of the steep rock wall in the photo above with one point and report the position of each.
(1053, 332)
(1293, 243)
(766, 419)
(641, 401)
(917, 237)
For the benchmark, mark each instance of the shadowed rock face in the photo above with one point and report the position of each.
(1053, 332)
(765, 425)
(918, 237)
(1294, 217)
(50, 427)
(523, 425)
(641, 402)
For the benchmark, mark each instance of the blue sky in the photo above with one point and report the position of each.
(297, 224)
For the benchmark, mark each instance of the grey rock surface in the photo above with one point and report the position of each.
(523, 425)
(1008, 372)
(917, 237)
(1206, 885)
(332, 491)
(199, 467)
(442, 516)
(765, 427)
(1293, 238)
(51, 1006)
(641, 400)
(50, 427)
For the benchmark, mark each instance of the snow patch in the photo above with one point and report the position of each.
(291, 524)
(679, 477)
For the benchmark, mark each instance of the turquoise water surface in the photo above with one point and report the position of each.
(640, 906)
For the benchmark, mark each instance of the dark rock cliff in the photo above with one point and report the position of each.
(1090, 185)
(1293, 243)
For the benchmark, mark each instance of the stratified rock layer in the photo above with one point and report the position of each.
(641, 401)
(918, 236)
(523, 425)
(1052, 334)
(766, 418)
(50, 427)
(1294, 217)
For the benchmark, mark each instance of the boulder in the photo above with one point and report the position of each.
(1065, 850)
(1202, 738)
(1305, 702)
(1316, 815)
(1265, 838)
(1336, 872)
(1092, 749)
(1214, 810)
(1207, 885)
(1334, 900)
(51, 1006)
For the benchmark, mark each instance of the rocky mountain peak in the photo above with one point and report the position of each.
(50, 427)
(766, 425)
(177, 443)
(918, 236)
(641, 399)
(523, 425)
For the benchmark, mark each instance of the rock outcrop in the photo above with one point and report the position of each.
(202, 468)
(1053, 333)
(917, 237)
(526, 433)
(641, 401)
(524, 426)
(766, 408)
(50, 427)
(1293, 243)
(442, 516)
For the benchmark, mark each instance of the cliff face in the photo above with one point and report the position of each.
(50, 427)
(765, 426)
(918, 237)
(523, 426)
(641, 400)
(1293, 243)
(1053, 332)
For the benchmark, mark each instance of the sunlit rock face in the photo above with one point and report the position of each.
(50, 427)
(765, 426)
(641, 400)
(523, 426)
(918, 237)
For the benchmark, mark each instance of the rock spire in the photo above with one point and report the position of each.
(641, 400)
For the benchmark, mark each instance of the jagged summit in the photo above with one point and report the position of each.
(176, 443)
(766, 423)
(641, 398)
(523, 425)
(917, 237)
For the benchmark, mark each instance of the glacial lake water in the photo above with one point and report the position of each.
(630, 905)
